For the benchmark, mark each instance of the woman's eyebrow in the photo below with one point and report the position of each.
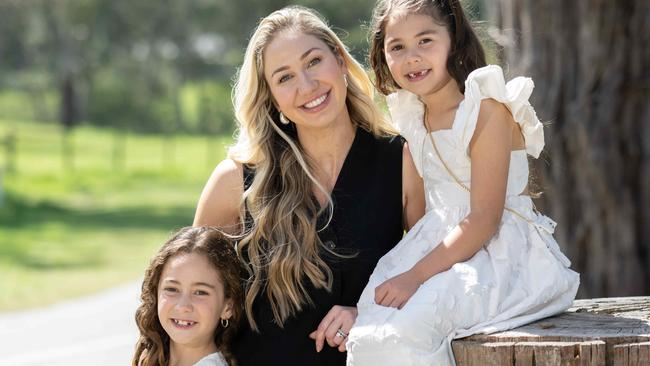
(302, 57)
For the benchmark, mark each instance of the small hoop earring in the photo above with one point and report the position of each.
(284, 119)
(225, 323)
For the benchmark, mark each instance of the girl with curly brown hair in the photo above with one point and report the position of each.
(191, 302)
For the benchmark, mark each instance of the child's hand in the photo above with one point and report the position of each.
(396, 291)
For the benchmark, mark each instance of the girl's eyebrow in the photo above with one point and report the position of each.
(194, 284)
(424, 32)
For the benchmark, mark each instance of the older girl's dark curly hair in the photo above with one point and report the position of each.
(152, 348)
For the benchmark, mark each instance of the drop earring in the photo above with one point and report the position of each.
(345, 79)
(284, 119)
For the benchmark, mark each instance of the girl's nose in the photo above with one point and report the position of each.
(413, 56)
(184, 303)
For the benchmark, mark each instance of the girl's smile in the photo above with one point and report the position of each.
(417, 75)
(183, 324)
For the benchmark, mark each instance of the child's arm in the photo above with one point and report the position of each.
(221, 197)
(490, 155)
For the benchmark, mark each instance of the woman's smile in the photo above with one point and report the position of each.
(318, 104)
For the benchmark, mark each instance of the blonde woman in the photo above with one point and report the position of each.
(317, 186)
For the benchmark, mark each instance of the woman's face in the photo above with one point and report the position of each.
(416, 50)
(306, 80)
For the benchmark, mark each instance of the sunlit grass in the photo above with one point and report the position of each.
(72, 225)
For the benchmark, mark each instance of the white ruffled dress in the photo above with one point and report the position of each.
(519, 276)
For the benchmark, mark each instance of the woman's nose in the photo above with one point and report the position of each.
(307, 83)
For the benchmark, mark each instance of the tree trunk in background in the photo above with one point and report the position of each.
(589, 60)
(69, 115)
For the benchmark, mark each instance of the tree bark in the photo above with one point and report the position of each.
(589, 60)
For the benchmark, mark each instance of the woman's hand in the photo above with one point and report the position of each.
(396, 291)
(335, 327)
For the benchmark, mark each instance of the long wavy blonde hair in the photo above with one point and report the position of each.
(281, 246)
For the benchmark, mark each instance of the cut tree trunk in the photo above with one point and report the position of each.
(598, 332)
(590, 63)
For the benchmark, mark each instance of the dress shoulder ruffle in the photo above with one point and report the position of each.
(488, 82)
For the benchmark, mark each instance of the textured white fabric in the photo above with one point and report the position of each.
(213, 359)
(519, 276)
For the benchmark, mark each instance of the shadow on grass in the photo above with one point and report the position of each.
(20, 213)
(44, 263)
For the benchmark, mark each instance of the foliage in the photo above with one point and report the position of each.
(130, 64)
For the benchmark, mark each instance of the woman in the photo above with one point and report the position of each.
(316, 186)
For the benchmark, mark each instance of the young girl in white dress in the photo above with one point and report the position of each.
(191, 302)
(482, 259)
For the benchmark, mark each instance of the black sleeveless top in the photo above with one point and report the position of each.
(367, 220)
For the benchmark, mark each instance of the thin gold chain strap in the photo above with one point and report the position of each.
(458, 181)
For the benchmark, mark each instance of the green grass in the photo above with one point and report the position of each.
(72, 226)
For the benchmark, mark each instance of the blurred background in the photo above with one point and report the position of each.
(113, 113)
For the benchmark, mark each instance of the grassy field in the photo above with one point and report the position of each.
(71, 226)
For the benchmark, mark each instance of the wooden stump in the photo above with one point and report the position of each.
(595, 332)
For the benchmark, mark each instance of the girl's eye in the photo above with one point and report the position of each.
(284, 78)
(396, 47)
(200, 293)
(170, 289)
(314, 62)
(426, 40)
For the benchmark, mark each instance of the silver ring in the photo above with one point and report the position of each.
(341, 333)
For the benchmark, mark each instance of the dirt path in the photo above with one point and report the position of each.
(95, 330)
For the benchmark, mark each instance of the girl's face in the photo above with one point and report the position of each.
(416, 50)
(191, 301)
(306, 79)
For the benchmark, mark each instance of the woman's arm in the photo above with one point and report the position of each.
(490, 155)
(219, 205)
(412, 190)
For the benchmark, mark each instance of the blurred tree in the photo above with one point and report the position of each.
(589, 60)
(154, 48)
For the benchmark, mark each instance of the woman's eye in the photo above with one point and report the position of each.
(426, 40)
(315, 61)
(200, 293)
(170, 289)
(284, 78)
(397, 47)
